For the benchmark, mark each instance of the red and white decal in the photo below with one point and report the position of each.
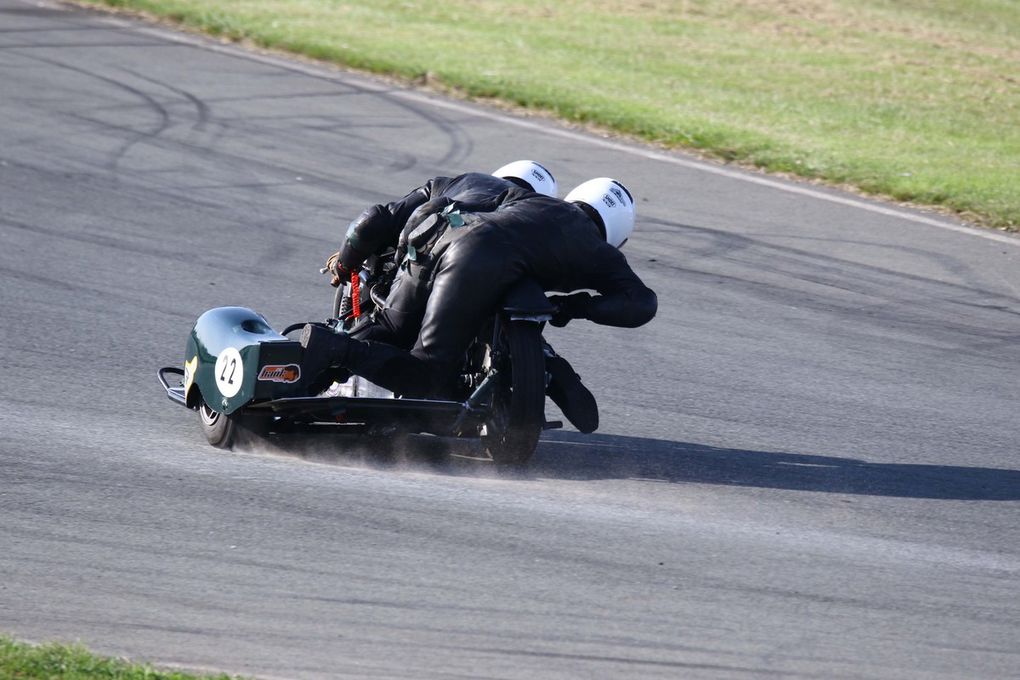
(289, 373)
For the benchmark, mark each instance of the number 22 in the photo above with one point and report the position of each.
(232, 368)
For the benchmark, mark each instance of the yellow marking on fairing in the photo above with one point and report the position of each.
(189, 373)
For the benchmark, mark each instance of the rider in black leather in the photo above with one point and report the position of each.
(381, 226)
(564, 246)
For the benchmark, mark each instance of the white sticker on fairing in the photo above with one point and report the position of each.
(229, 372)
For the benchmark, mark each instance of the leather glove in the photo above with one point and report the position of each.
(569, 307)
(341, 274)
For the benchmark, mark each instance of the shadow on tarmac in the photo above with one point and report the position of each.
(573, 456)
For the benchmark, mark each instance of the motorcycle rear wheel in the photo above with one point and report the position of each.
(512, 432)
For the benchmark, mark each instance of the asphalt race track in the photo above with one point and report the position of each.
(807, 465)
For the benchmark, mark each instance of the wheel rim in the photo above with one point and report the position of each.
(209, 417)
(498, 423)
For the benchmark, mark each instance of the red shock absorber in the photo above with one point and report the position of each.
(355, 294)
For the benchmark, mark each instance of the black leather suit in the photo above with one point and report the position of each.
(381, 226)
(466, 273)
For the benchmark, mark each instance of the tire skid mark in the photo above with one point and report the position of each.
(845, 274)
(9, 274)
(250, 98)
(247, 164)
(330, 124)
(150, 190)
(116, 546)
(56, 15)
(399, 160)
(898, 315)
(275, 253)
(81, 292)
(628, 661)
(204, 114)
(68, 45)
(229, 185)
(109, 242)
(460, 144)
(162, 124)
(89, 28)
(888, 298)
(519, 609)
(201, 108)
(948, 263)
(459, 147)
(244, 162)
(207, 149)
(170, 255)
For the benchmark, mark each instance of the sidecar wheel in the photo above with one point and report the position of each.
(223, 431)
(219, 429)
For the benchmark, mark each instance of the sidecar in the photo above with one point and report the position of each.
(241, 374)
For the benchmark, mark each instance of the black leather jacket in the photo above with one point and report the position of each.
(557, 244)
(380, 226)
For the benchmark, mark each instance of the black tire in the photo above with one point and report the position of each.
(219, 429)
(223, 431)
(512, 432)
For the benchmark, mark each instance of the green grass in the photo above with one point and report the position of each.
(918, 100)
(20, 661)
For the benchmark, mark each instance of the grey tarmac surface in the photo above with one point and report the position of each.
(807, 465)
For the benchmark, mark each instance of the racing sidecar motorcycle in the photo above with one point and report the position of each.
(241, 375)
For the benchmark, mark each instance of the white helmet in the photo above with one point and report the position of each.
(612, 202)
(531, 173)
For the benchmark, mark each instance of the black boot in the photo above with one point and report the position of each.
(574, 399)
(325, 351)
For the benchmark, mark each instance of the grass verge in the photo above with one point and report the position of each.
(917, 100)
(20, 661)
